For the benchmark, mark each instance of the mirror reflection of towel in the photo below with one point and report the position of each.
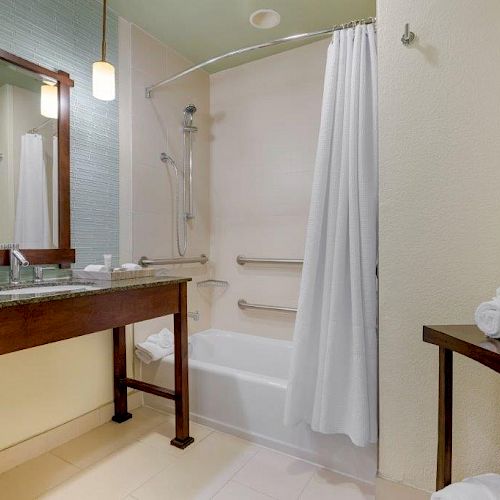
(32, 223)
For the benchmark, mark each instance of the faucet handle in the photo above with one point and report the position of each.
(38, 273)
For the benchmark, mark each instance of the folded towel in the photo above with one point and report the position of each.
(131, 267)
(491, 345)
(483, 487)
(95, 268)
(488, 317)
(156, 346)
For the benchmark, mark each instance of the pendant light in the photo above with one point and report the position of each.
(49, 102)
(103, 73)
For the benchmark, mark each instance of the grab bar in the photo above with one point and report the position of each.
(202, 259)
(243, 304)
(242, 260)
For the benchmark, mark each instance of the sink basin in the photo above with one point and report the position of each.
(46, 289)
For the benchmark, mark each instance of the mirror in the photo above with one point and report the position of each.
(28, 158)
(34, 161)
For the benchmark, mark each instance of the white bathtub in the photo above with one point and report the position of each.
(238, 385)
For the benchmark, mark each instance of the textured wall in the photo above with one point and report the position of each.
(61, 381)
(439, 226)
(65, 34)
(265, 127)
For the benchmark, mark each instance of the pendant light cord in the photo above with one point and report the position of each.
(104, 13)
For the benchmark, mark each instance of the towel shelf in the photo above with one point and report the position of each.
(243, 304)
(202, 259)
(242, 260)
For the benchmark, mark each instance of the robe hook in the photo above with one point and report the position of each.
(408, 36)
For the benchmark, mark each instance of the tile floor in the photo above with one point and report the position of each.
(134, 461)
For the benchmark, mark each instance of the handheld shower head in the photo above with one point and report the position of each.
(168, 160)
(190, 109)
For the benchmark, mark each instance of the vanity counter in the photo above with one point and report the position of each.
(32, 320)
(98, 287)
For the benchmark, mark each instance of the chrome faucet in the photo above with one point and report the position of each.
(17, 260)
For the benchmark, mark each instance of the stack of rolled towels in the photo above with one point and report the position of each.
(488, 317)
(483, 487)
(156, 346)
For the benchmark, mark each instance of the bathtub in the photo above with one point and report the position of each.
(238, 385)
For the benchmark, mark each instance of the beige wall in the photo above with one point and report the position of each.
(149, 127)
(439, 226)
(265, 129)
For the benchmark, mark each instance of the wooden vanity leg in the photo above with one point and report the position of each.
(120, 374)
(182, 438)
(443, 476)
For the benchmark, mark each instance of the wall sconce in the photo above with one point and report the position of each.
(49, 101)
(103, 73)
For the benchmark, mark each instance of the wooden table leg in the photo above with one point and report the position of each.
(182, 438)
(120, 374)
(443, 476)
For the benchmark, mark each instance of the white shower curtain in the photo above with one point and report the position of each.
(333, 379)
(32, 223)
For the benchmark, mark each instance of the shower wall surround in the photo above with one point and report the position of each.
(65, 34)
(265, 123)
(149, 127)
(60, 382)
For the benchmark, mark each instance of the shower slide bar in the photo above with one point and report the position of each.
(242, 260)
(144, 261)
(243, 304)
(244, 50)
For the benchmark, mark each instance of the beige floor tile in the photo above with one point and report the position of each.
(160, 436)
(238, 491)
(115, 476)
(102, 441)
(276, 475)
(33, 478)
(327, 485)
(202, 472)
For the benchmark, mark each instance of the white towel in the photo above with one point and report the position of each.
(156, 346)
(129, 266)
(483, 487)
(487, 317)
(95, 268)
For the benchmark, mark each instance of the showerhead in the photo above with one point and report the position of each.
(189, 111)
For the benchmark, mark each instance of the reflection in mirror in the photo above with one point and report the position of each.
(28, 159)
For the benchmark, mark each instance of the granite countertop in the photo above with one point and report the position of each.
(87, 288)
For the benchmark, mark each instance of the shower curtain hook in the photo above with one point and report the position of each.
(408, 36)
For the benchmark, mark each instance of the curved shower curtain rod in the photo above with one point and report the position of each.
(236, 52)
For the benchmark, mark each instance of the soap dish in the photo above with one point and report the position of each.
(212, 283)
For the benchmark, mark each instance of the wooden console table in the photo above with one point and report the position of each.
(28, 321)
(469, 341)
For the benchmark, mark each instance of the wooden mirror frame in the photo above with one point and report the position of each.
(64, 254)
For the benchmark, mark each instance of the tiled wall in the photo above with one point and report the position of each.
(65, 380)
(65, 34)
(265, 123)
(155, 126)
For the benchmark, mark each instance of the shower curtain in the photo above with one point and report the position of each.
(333, 378)
(32, 223)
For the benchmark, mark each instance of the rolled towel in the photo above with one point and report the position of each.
(95, 268)
(156, 346)
(488, 318)
(483, 487)
(129, 266)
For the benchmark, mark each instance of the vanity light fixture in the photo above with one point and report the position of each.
(103, 73)
(49, 102)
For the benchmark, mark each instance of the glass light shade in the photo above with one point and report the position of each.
(49, 102)
(103, 81)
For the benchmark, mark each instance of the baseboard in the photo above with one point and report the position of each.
(390, 490)
(42, 443)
